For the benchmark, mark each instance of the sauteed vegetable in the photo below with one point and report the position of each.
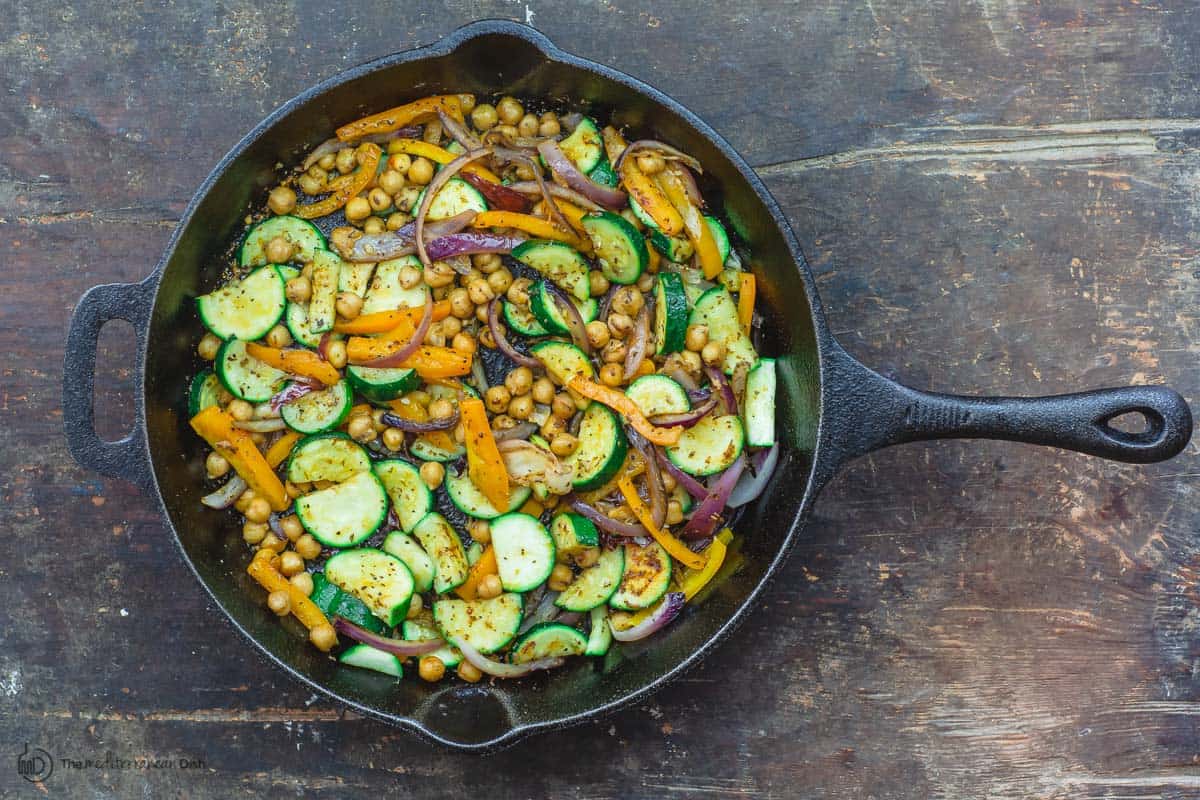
(485, 390)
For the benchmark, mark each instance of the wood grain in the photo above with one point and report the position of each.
(995, 196)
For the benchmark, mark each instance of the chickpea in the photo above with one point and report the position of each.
(349, 305)
(521, 407)
(669, 483)
(628, 300)
(548, 127)
(466, 102)
(258, 510)
(362, 153)
(323, 637)
(397, 160)
(613, 352)
(674, 512)
(390, 182)
(361, 429)
(345, 160)
(587, 557)
(377, 420)
(407, 199)
(291, 527)
(373, 226)
(307, 269)
(612, 374)
(563, 406)
(208, 347)
(690, 362)
(484, 116)
(280, 602)
(528, 126)
(216, 465)
(620, 324)
(489, 587)
(597, 333)
(597, 283)
(441, 409)
(302, 581)
(310, 185)
(265, 555)
(395, 221)
(241, 410)
(290, 563)
(480, 530)
(564, 444)
(273, 542)
(420, 171)
(651, 163)
(519, 381)
(281, 200)
(560, 578)
(486, 339)
(510, 132)
(280, 250)
(430, 668)
(420, 397)
(254, 532)
(307, 547)
(503, 422)
(553, 426)
(697, 337)
(543, 391)
(379, 200)
(499, 281)
(243, 502)
(497, 398)
(469, 672)
(279, 336)
(393, 439)
(713, 353)
(480, 292)
(464, 343)
(335, 354)
(487, 263)
(439, 274)
(432, 472)
(509, 110)
(357, 209)
(518, 292)
(327, 162)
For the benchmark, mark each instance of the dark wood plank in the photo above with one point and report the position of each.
(996, 197)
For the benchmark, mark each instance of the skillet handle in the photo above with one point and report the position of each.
(872, 412)
(128, 457)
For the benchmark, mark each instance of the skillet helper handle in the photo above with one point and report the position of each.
(884, 413)
(127, 457)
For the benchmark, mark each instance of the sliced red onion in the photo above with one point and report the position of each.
(571, 315)
(638, 345)
(269, 425)
(402, 241)
(293, 391)
(569, 618)
(665, 150)
(654, 482)
(503, 198)
(227, 495)
(561, 192)
(440, 179)
(667, 611)
(706, 515)
(330, 146)
(398, 357)
(544, 612)
(459, 132)
(606, 302)
(412, 426)
(520, 431)
(685, 380)
(464, 244)
(547, 196)
(323, 345)
(499, 670)
(399, 647)
(722, 388)
(698, 395)
(749, 487)
(502, 342)
(690, 485)
(689, 186)
(685, 419)
(527, 464)
(556, 159)
(605, 522)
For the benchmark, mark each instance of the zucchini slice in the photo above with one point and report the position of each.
(595, 585)
(600, 636)
(522, 321)
(603, 173)
(658, 394)
(306, 236)
(385, 292)
(245, 309)
(320, 411)
(416, 630)
(205, 391)
(547, 640)
(563, 361)
(585, 146)
(573, 533)
(452, 199)
(547, 312)
(355, 277)
(321, 305)
(486, 625)
(645, 579)
(345, 514)
(244, 376)
(468, 499)
(559, 262)
(524, 552)
(366, 657)
(334, 602)
(642, 216)
(716, 309)
(709, 446)
(379, 385)
(422, 449)
(405, 548)
(760, 404)
(602, 448)
(620, 249)
(378, 579)
(410, 496)
(296, 320)
(327, 457)
(676, 249)
(670, 313)
(442, 545)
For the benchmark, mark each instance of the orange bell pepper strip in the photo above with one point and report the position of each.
(486, 565)
(438, 155)
(216, 427)
(697, 229)
(655, 260)
(650, 197)
(299, 362)
(534, 226)
(678, 550)
(485, 467)
(407, 409)
(614, 143)
(532, 507)
(416, 112)
(272, 580)
(278, 452)
(746, 293)
(401, 323)
(617, 401)
(429, 361)
(362, 178)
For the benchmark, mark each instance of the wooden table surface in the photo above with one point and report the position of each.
(996, 197)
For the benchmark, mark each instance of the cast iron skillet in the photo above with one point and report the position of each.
(831, 408)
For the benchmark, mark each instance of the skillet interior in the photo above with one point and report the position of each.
(482, 58)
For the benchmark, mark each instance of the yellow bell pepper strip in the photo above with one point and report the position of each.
(410, 410)
(361, 349)
(650, 197)
(697, 229)
(694, 580)
(400, 323)
(278, 452)
(486, 565)
(216, 427)
(614, 143)
(655, 260)
(272, 580)
(532, 507)
(746, 292)
(485, 467)
(617, 401)
(362, 178)
(394, 119)
(678, 550)
(298, 362)
(438, 155)
(534, 226)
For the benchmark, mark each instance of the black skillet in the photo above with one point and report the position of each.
(831, 408)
